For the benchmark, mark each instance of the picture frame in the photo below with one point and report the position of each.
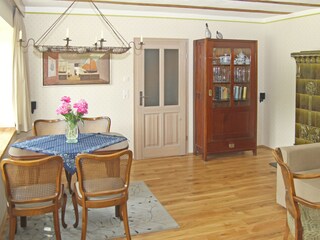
(75, 68)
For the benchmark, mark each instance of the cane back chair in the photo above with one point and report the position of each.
(103, 181)
(34, 187)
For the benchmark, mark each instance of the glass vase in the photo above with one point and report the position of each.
(72, 132)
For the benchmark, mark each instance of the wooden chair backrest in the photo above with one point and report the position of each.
(33, 180)
(95, 125)
(47, 127)
(109, 173)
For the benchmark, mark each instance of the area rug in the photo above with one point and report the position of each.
(145, 212)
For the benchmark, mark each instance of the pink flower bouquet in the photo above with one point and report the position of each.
(65, 109)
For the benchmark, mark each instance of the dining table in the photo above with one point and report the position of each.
(36, 147)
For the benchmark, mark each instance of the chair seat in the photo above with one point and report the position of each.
(310, 219)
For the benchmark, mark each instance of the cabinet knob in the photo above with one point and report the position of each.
(231, 145)
(210, 92)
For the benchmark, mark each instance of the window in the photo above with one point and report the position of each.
(6, 58)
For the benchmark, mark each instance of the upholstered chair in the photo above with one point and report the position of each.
(303, 216)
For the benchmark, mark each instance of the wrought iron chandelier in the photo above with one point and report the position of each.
(97, 47)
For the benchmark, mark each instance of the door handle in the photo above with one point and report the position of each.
(141, 97)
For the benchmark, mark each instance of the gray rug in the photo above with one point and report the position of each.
(145, 212)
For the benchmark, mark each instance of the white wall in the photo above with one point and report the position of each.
(6, 11)
(282, 39)
(107, 99)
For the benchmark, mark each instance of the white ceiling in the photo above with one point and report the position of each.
(246, 10)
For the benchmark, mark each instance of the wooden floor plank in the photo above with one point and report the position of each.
(231, 196)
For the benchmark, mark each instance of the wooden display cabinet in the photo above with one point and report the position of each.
(225, 96)
(307, 125)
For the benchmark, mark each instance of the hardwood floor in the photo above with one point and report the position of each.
(229, 197)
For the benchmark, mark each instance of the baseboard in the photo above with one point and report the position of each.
(265, 147)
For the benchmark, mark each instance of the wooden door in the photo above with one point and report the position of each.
(160, 98)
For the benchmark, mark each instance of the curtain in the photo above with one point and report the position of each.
(21, 99)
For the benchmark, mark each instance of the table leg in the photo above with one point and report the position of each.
(69, 178)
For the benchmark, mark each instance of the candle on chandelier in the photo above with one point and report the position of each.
(67, 33)
(20, 35)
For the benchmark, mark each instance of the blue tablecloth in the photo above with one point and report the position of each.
(56, 145)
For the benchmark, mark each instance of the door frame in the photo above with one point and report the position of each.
(137, 65)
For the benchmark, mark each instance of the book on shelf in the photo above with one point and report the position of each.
(221, 93)
(239, 92)
(244, 93)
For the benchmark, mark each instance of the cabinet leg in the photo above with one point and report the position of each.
(204, 155)
(254, 151)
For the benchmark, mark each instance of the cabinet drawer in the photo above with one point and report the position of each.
(231, 145)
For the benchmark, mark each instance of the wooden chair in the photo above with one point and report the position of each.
(34, 188)
(103, 181)
(95, 125)
(303, 216)
(47, 127)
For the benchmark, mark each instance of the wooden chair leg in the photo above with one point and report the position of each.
(84, 223)
(75, 208)
(12, 227)
(69, 179)
(125, 220)
(117, 212)
(23, 221)
(56, 223)
(63, 210)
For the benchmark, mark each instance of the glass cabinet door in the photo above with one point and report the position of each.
(221, 81)
(231, 79)
(241, 76)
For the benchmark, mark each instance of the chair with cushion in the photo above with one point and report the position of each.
(34, 187)
(47, 127)
(95, 125)
(103, 181)
(303, 158)
(303, 216)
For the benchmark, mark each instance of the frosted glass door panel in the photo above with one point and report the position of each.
(151, 77)
(171, 77)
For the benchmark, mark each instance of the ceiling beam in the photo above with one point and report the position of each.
(301, 4)
(186, 6)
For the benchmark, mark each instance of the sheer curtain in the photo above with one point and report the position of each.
(21, 99)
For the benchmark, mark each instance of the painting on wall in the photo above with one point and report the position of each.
(75, 68)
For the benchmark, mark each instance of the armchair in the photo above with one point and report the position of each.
(300, 159)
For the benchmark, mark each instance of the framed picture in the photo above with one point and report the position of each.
(75, 68)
